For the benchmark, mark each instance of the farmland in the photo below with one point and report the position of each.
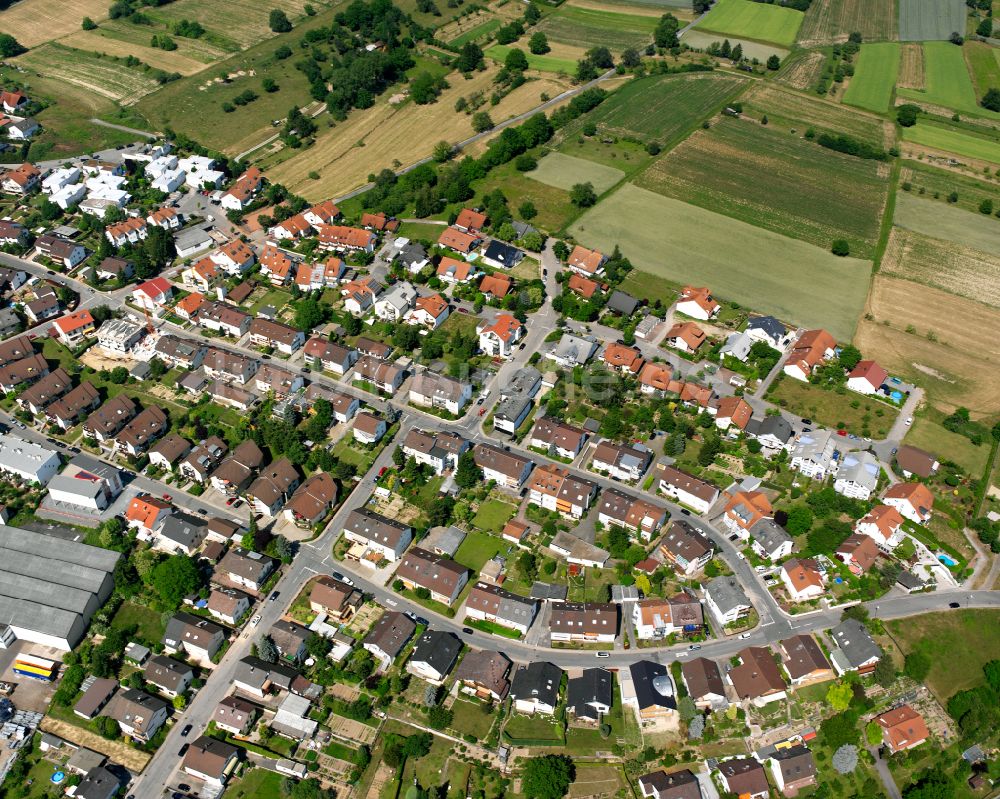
(803, 70)
(34, 22)
(920, 20)
(793, 111)
(766, 23)
(874, 77)
(476, 32)
(99, 41)
(372, 139)
(777, 181)
(543, 63)
(983, 65)
(831, 21)
(911, 68)
(974, 230)
(751, 49)
(586, 27)
(942, 264)
(950, 140)
(929, 183)
(946, 80)
(564, 171)
(928, 339)
(682, 243)
(664, 108)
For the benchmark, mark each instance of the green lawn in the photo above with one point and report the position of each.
(832, 409)
(945, 445)
(945, 221)
(679, 243)
(347, 449)
(947, 81)
(766, 23)
(477, 548)
(538, 727)
(274, 297)
(493, 629)
(469, 718)
(984, 66)
(258, 783)
(476, 33)
(421, 231)
(565, 171)
(149, 621)
(961, 143)
(543, 63)
(874, 77)
(493, 514)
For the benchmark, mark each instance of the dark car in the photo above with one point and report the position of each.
(422, 620)
(274, 596)
(954, 605)
(184, 787)
(467, 630)
(183, 750)
(685, 511)
(184, 733)
(807, 421)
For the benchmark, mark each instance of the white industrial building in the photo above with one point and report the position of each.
(29, 461)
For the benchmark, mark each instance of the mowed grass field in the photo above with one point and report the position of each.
(931, 436)
(790, 110)
(925, 181)
(984, 66)
(34, 22)
(935, 338)
(874, 77)
(664, 108)
(960, 142)
(565, 171)
(84, 70)
(940, 263)
(832, 21)
(751, 49)
(943, 221)
(926, 20)
(677, 242)
(99, 41)
(776, 181)
(766, 23)
(543, 63)
(946, 81)
(587, 27)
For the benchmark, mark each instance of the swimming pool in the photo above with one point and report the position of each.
(947, 560)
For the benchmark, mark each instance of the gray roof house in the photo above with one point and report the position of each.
(858, 475)
(773, 432)
(171, 677)
(572, 350)
(856, 649)
(535, 687)
(99, 783)
(769, 540)
(590, 695)
(726, 599)
(622, 303)
(434, 655)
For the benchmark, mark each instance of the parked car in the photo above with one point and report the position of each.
(274, 596)
(744, 636)
(954, 605)
(255, 620)
(184, 734)
(467, 630)
(603, 654)
(693, 647)
(183, 750)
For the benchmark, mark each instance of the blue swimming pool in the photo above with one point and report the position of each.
(947, 560)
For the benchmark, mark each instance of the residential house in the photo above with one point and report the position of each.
(383, 375)
(369, 428)
(243, 191)
(726, 599)
(312, 500)
(768, 330)
(111, 417)
(452, 270)
(793, 769)
(773, 432)
(501, 255)
(204, 274)
(590, 696)
(336, 599)
(22, 179)
(276, 265)
(211, 760)
(573, 351)
(802, 579)
(744, 510)
(655, 618)
(914, 462)
(698, 303)
(619, 358)
(687, 489)
(273, 486)
(236, 471)
(646, 687)
(587, 263)
(228, 605)
(704, 683)
(324, 213)
(496, 286)
(98, 783)
(73, 328)
(858, 475)
(62, 251)
(884, 525)
(235, 257)
(66, 411)
(170, 677)
(295, 227)
(45, 391)
(770, 541)
(867, 378)
(459, 240)
(812, 349)
(327, 356)
(493, 604)
(290, 639)
(204, 459)
(379, 222)
(733, 412)
(913, 501)
(42, 307)
(25, 371)
(442, 576)
(95, 698)
(577, 551)
(181, 532)
(804, 660)
(388, 636)
(147, 513)
(675, 785)
(166, 217)
(440, 450)
(175, 351)
(470, 220)
(859, 552)
(902, 728)
(625, 462)
(535, 688)
(584, 621)
(635, 514)
(557, 438)
(168, 451)
(196, 637)
(139, 715)
(686, 548)
(235, 715)
(342, 237)
(396, 302)
(141, 431)
(434, 655)
(497, 339)
(433, 390)
(244, 568)
(622, 304)
(685, 337)
(429, 312)
(258, 678)
(128, 231)
(283, 338)
(814, 454)
(359, 295)
(856, 649)
(271, 379)
(484, 675)
(555, 489)
(387, 537)
(744, 777)
(498, 465)
(757, 679)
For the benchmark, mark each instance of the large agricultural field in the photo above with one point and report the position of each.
(564, 171)
(946, 80)
(33, 22)
(678, 242)
(936, 339)
(874, 77)
(787, 110)
(777, 181)
(832, 21)
(943, 221)
(101, 41)
(550, 62)
(984, 65)
(663, 108)
(926, 20)
(588, 27)
(937, 185)
(766, 23)
(950, 140)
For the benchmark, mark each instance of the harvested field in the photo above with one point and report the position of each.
(406, 133)
(874, 77)
(33, 22)
(804, 72)
(947, 81)
(776, 181)
(584, 27)
(702, 40)
(791, 110)
(772, 274)
(950, 140)
(926, 20)
(957, 269)
(198, 49)
(663, 107)
(765, 23)
(911, 68)
(832, 21)
(103, 76)
(943, 221)
(984, 66)
(239, 23)
(959, 366)
(130, 757)
(174, 61)
(565, 171)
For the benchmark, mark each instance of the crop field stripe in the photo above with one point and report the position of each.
(874, 77)
(832, 21)
(941, 221)
(543, 63)
(103, 76)
(564, 171)
(765, 23)
(983, 65)
(474, 33)
(751, 49)
(797, 110)
(953, 141)
(585, 27)
(671, 240)
(929, 20)
(612, 20)
(947, 81)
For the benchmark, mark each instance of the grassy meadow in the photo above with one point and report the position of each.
(960, 142)
(587, 27)
(874, 77)
(564, 171)
(766, 23)
(946, 81)
(832, 21)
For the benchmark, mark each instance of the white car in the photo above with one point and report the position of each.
(741, 556)
(744, 636)
(909, 421)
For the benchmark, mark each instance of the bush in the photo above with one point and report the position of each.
(906, 115)
(278, 21)
(841, 247)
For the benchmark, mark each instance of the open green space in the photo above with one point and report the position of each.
(257, 783)
(477, 548)
(777, 181)
(771, 273)
(534, 728)
(926, 181)
(565, 171)
(766, 23)
(493, 514)
(984, 64)
(860, 415)
(477, 32)
(148, 621)
(924, 20)
(959, 644)
(961, 143)
(947, 446)
(470, 718)
(944, 221)
(543, 63)
(587, 27)
(947, 81)
(874, 76)
(793, 112)
(553, 205)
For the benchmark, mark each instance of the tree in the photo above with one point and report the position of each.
(701, 6)
(696, 729)
(538, 43)
(665, 34)
(931, 784)
(885, 672)
(686, 708)
(585, 70)
(88, 24)
(443, 152)
(547, 777)
(845, 759)
(985, 28)
(470, 57)
(267, 650)
(106, 727)
(917, 665)
(736, 56)
(840, 247)
(840, 729)
(906, 115)
(516, 60)
(439, 717)
(425, 88)
(773, 63)
(839, 696)
(481, 122)
(527, 564)
(527, 210)
(468, 473)
(269, 85)
(278, 21)
(800, 519)
(175, 578)
(631, 58)
(9, 46)
(873, 733)
(601, 57)
(991, 100)
(850, 356)
(582, 195)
